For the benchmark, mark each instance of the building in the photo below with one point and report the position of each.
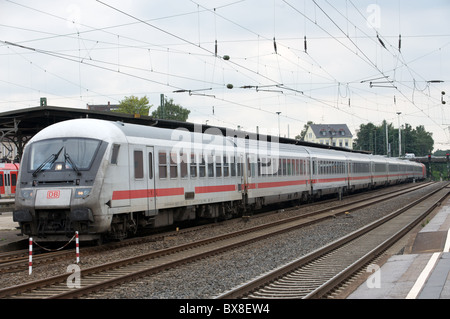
(330, 134)
(103, 107)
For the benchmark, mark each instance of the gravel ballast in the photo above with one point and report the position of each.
(210, 277)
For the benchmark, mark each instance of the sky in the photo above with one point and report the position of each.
(270, 65)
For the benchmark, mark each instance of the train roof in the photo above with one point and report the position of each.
(9, 166)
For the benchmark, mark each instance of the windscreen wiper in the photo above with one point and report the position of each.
(68, 159)
(51, 159)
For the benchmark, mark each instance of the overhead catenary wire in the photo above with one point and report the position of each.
(304, 63)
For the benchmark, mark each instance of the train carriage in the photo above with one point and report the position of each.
(276, 173)
(360, 174)
(329, 172)
(379, 168)
(109, 179)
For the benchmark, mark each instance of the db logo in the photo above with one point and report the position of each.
(52, 194)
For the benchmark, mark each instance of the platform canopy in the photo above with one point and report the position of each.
(19, 126)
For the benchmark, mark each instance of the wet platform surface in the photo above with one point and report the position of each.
(424, 273)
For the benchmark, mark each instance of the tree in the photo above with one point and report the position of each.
(373, 138)
(134, 105)
(301, 137)
(423, 141)
(172, 111)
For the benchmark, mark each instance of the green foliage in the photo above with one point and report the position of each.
(134, 105)
(373, 138)
(171, 111)
(301, 137)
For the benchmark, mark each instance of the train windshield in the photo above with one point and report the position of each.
(61, 154)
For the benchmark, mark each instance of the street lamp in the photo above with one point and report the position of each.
(399, 136)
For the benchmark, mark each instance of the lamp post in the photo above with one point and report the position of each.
(278, 123)
(399, 136)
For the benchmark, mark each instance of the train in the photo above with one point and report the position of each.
(109, 179)
(8, 179)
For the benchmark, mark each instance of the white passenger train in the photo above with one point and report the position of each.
(108, 179)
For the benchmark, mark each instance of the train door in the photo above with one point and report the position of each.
(151, 178)
(2, 184)
(314, 174)
(13, 182)
(142, 183)
(250, 171)
(7, 183)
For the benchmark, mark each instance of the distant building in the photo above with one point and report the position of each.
(103, 107)
(330, 134)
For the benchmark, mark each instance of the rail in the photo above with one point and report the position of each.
(100, 277)
(332, 264)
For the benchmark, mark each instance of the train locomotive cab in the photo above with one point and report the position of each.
(59, 185)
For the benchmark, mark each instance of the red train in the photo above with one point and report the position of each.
(8, 179)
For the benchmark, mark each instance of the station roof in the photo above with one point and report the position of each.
(19, 126)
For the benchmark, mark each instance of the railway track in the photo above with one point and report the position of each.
(18, 260)
(318, 273)
(6, 205)
(98, 278)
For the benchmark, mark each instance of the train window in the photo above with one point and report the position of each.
(13, 179)
(1, 180)
(115, 153)
(162, 164)
(202, 167)
(240, 169)
(226, 167)
(173, 165)
(183, 165)
(251, 165)
(233, 166)
(138, 164)
(193, 166)
(210, 166)
(258, 165)
(150, 165)
(218, 166)
(265, 166)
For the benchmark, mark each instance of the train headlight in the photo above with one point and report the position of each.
(82, 192)
(26, 194)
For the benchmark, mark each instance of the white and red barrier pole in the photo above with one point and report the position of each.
(77, 249)
(30, 258)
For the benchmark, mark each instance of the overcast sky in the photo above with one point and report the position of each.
(353, 71)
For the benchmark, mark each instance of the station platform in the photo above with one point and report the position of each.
(10, 235)
(423, 272)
